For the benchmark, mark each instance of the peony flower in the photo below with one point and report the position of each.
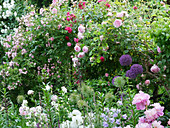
(137, 69)
(157, 124)
(81, 29)
(141, 100)
(85, 49)
(102, 59)
(143, 125)
(30, 92)
(77, 48)
(159, 109)
(69, 44)
(81, 54)
(151, 114)
(117, 23)
(125, 60)
(155, 69)
(131, 74)
(147, 82)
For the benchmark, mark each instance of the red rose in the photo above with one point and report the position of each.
(102, 59)
(67, 38)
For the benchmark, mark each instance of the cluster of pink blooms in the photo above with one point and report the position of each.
(82, 5)
(149, 120)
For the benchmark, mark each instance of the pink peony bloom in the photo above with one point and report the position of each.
(158, 49)
(159, 109)
(141, 100)
(81, 28)
(85, 49)
(143, 125)
(157, 124)
(77, 48)
(69, 44)
(155, 69)
(81, 54)
(68, 29)
(151, 114)
(117, 23)
(147, 82)
(54, 10)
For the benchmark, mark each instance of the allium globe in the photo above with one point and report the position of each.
(125, 60)
(137, 69)
(131, 74)
(114, 79)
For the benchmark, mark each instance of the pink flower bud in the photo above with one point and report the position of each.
(106, 74)
(158, 49)
(147, 82)
(155, 69)
(69, 44)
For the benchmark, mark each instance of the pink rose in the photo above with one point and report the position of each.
(76, 40)
(122, 13)
(147, 82)
(135, 7)
(77, 48)
(155, 69)
(117, 23)
(106, 74)
(80, 35)
(81, 54)
(169, 122)
(68, 29)
(81, 29)
(85, 49)
(69, 44)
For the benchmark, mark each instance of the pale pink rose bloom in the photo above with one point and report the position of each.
(69, 44)
(81, 54)
(147, 82)
(54, 10)
(143, 125)
(80, 35)
(141, 100)
(157, 124)
(117, 23)
(54, 97)
(158, 49)
(58, 76)
(106, 74)
(109, 14)
(169, 122)
(75, 59)
(117, 42)
(77, 48)
(81, 29)
(85, 49)
(155, 69)
(122, 13)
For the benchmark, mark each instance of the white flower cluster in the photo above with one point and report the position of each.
(33, 112)
(7, 9)
(77, 121)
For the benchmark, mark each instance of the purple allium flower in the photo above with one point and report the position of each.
(125, 60)
(105, 124)
(131, 74)
(114, 79)
(137, 69)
